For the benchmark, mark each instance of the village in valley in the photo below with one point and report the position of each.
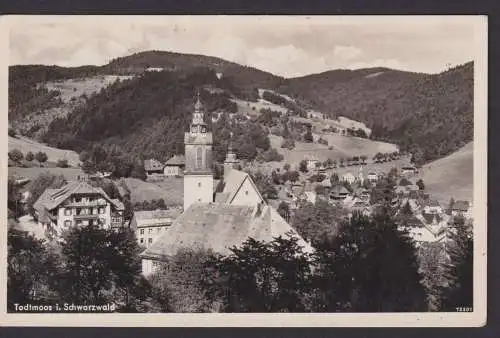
(160, 188)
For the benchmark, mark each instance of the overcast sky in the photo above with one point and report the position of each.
(281, 45)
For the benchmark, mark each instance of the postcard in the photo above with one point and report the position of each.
(212, 170)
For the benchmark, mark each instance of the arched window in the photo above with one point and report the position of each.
(199, 158)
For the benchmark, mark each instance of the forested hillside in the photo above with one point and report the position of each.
(146, 116)
(429, 115)
(25, 94)
(246, 79)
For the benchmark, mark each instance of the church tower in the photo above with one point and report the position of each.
(198, 179)
(231, 161)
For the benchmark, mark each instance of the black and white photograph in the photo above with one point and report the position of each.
(329, 170)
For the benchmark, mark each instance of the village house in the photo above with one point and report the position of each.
(361, 207)
(408, 171)
(362, 193)
(148, 225)
(312, 163)
(174, 166)
(153, 169)
(315, 115)
(327, 183)
(308, 196)
(428, 228)
(155, 69)
(216, 216)
(338, 193)
(372, 177)
(462, 208)
(433, 207)
(349, 178)
(77, 204)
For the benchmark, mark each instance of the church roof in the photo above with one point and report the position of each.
(219, 227)
(233, 182)
(151, 217)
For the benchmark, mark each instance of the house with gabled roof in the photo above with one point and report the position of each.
(463, 208)
(174, 166)
(408, 171)
(423, 228)
(372, 177)
(349, 178)
(339, 193)
(433, 207)
(238, 188)
(149, 224)
(153, 168)
(77, 204)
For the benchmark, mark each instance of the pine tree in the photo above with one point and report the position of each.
(29, 267)
(101, 265)
(266, 277)
(374, 269)
(459, 271)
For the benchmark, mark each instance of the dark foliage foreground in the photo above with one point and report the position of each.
(370, 266)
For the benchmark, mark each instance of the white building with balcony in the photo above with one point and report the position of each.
(77, 204)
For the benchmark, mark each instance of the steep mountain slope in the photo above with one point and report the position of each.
(429, 115)
(64, 96)
(25, 94)
(451, 176)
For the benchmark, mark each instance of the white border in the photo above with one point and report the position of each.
(472, 319)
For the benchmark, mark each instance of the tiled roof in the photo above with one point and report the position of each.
(219, 227)
(433, 203)
(413, 221)
(118, 204)
(151, 217)
(152, 165)
(339, 189)
(176, 160)
(461, 206)
(52, 198)
(430, 217)
(232, 183)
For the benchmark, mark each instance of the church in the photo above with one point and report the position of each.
(217, 215)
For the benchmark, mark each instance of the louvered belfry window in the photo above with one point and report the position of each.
(199, 158)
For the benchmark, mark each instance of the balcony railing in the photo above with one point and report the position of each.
(86, 216)
(87, 204)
